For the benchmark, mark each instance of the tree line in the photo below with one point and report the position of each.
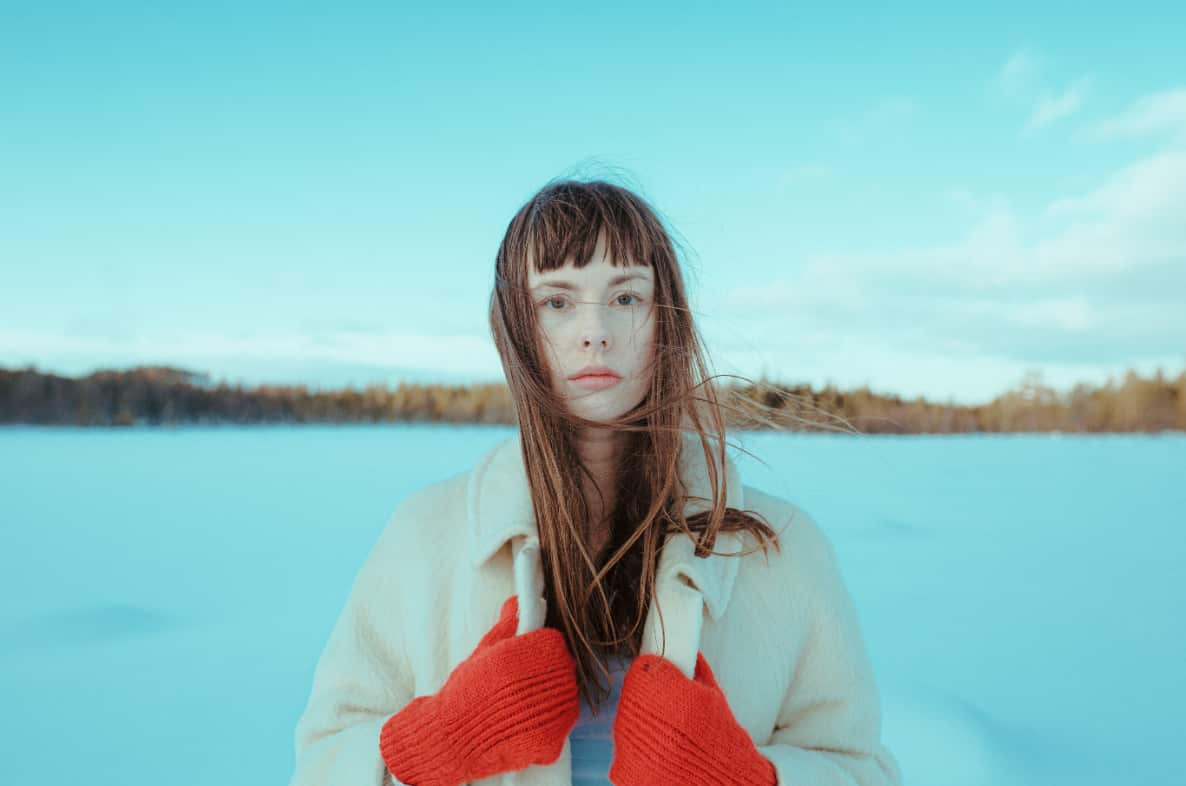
(163, 395)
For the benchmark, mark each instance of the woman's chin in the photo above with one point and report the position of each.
(597, 416)
(602, 414)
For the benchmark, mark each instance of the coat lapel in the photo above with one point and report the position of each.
(500, 510)
(686, 586)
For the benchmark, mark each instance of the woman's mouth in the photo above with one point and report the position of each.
(597, 381)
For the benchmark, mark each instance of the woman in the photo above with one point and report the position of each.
(610, 537)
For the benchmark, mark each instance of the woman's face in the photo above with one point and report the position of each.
(602, 317)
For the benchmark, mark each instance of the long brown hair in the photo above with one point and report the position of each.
(563, 222)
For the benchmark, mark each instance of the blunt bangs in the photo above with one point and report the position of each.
(566, 219)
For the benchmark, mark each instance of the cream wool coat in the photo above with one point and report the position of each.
(779, 629)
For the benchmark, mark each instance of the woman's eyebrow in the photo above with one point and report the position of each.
(613, 282)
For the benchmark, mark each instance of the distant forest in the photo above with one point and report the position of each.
(163, 396)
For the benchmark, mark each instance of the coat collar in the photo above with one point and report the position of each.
(500, 509)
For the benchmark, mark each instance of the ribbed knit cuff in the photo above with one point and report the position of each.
(414, 747)
(725, 761)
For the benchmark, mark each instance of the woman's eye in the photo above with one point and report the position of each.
(558, 303)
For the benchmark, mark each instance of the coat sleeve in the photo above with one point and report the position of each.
(828, 731)
(362, 678)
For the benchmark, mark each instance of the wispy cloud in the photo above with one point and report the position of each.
(1091, 281)
(1052, 108)
(1163, 112)
(1130, 220)
(1147, 196)
(1020, 80)
(1017, 74)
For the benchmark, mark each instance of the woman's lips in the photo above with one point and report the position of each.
(597, 381)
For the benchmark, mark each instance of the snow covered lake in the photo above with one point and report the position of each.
(166, 593)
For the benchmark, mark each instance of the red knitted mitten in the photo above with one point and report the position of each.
(510, 704)
(672, 731)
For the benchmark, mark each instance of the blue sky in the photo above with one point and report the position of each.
(928, 200)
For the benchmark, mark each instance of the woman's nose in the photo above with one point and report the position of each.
(595, 330)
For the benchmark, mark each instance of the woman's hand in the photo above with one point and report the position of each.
(511, 704)
(672, 731)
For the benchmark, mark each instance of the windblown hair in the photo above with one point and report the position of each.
(561, 223)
